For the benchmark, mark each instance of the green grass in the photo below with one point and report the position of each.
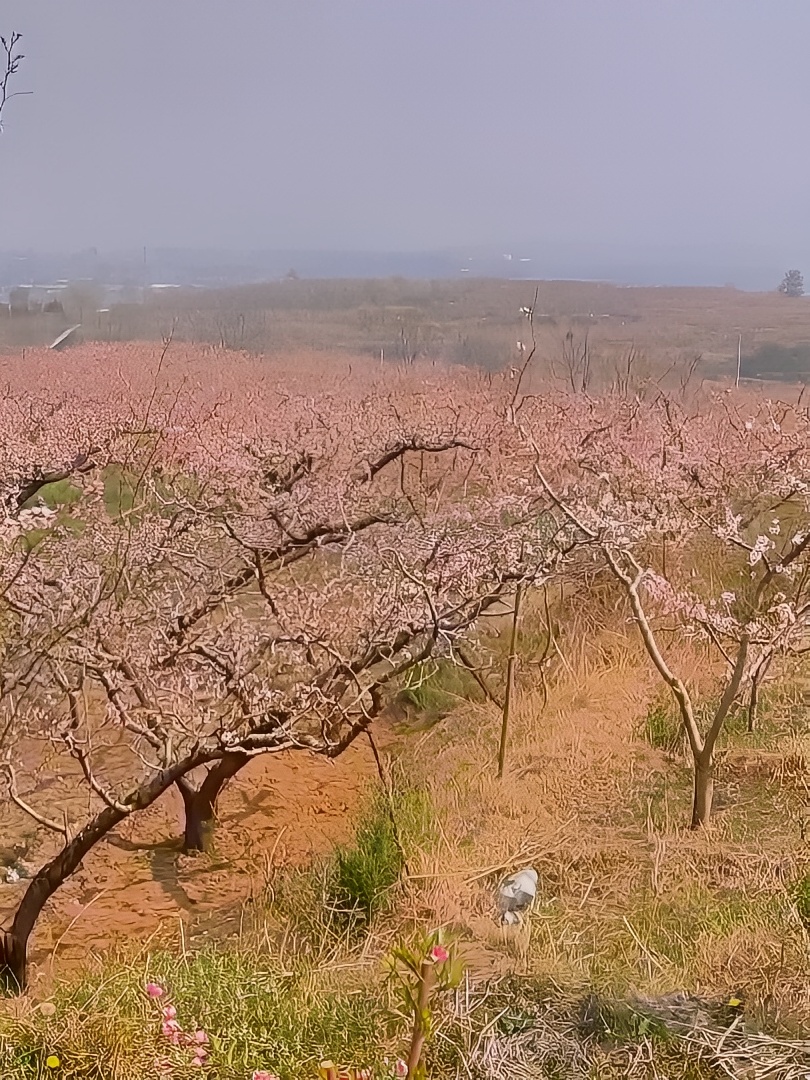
(119, 491)
(363, 874)
(781, 711)
(336, 900)
(662, 727)
(801, 900)
(436, 687)
(62, 493)
(256, 1012)
(260, 1013)
(774, 361)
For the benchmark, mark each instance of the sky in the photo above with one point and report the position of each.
(601, 130)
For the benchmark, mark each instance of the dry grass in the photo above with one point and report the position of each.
(633, 905)
(631, 900)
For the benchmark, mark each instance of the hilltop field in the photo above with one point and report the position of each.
(272, 606)
(474, 322)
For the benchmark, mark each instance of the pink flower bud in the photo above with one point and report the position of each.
(171, 1030)
(154, 991)
(439, 954)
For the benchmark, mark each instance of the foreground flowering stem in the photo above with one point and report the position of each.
(421, 971)
(421, 1019)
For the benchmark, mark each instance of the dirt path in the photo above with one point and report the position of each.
(280, 810)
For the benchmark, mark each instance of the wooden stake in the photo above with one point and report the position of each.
(510, 680)
(739, 360)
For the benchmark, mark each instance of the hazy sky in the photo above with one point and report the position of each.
(622, 126)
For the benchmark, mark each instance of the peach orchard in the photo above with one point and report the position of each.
(235, 560)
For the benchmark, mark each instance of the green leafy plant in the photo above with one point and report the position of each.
(365, 873)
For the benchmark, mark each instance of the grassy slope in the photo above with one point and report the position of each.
(596, 797)
(631, 902)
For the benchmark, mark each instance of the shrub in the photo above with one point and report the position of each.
(364, 873)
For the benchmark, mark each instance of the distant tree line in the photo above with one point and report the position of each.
(774, 361)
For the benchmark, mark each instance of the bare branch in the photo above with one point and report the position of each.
(9, 66)
(16, 798)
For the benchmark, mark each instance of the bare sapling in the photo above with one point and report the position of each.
(10, 60)
(645, 478)
(701, 744)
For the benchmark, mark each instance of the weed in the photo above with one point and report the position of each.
(364, 873)
(801, 900)
(337, 899)
(435, 687)
(662, 727)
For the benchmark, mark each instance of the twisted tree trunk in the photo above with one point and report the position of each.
(200, 803)
(14, 939)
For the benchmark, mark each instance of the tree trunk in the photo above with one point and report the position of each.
(200, 803)
(12, 961)
(703, 793)
(14, 941)
(199, 823)
(753, 701)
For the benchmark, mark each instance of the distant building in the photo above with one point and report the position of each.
(123, 294)
(28, 299)
(18, 299)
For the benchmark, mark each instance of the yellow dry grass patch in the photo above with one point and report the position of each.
(630, 899)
